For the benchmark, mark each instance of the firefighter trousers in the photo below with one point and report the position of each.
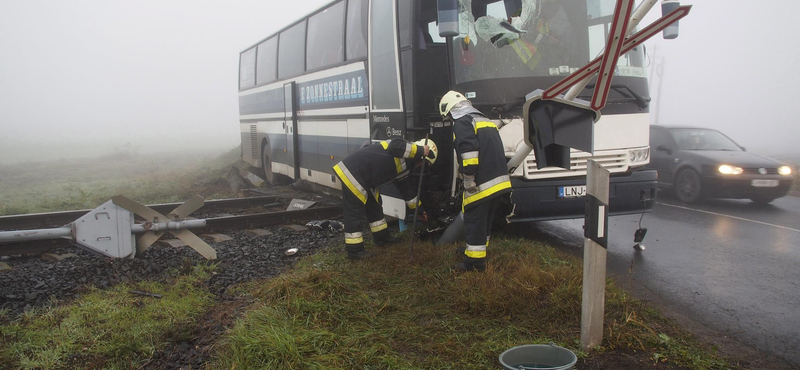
(478, 226)
(354, 212)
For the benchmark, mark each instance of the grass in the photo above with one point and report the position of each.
(389, 313)
(84, 184)
(109, 329)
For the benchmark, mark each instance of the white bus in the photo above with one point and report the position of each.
(357, 71)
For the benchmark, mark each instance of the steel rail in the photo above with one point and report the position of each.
(56, 219)
(212, 225)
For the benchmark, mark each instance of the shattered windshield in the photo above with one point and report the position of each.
(534, 38)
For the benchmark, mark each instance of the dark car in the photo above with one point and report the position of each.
(703, 163)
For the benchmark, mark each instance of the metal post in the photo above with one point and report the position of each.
(40, 234)
(594, 255)
(416, 208)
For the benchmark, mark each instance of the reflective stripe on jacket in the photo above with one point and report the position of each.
(379, 164)
(480, 153)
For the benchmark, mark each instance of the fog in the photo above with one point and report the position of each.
(731, 69)
(81, 78)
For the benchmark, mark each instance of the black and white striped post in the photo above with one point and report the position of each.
(595, 244)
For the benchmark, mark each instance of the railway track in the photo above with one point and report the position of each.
(213, 224)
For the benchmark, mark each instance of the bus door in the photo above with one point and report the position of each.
(290, 128)
(386, 117)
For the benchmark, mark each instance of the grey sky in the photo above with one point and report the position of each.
(77, 76)
(732, 68)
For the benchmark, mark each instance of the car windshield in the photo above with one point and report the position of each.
(700, 139)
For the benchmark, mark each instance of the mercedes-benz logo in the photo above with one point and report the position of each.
(762, 171)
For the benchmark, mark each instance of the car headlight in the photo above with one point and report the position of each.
(639, 155)
(785, 170)
(730, 170)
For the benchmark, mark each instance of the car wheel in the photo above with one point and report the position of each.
(266, 165)
(687, 186)
(762, 200)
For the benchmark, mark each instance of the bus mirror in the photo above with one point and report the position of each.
(513, 8)
(552, 127)
(667, 6)
(448, 18)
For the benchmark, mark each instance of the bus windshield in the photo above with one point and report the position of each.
(542, 38)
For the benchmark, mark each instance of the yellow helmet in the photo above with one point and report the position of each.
(449, 100)
(432, 147)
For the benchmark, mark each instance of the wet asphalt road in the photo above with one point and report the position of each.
(730, 265)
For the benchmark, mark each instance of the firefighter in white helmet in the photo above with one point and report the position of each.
(483, 167)
(362, 172)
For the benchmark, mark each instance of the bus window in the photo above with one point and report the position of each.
(357, 28)
(267, 61)
(247, 69)
(384, 84)
(325, 44)
(291, 50)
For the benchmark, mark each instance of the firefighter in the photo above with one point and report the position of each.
(483, 169)
(362, 172)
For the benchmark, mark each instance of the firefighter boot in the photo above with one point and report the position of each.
(358, 253)
(472, 264)
(383, 238)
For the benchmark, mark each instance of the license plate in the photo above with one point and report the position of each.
(571, 191)
(764, 183)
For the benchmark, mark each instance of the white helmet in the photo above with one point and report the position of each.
(450, 100)
(432, 147)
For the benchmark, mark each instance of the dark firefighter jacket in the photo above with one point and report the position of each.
(378, 164)
(480, 153)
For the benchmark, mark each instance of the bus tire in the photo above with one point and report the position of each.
(266, 165)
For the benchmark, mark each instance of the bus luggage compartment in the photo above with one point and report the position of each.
(538, 200)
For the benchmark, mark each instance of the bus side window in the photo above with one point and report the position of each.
(267, 61)
(247, 69)
(291, 51)
(325, 44)
(357, 28)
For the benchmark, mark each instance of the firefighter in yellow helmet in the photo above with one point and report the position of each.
(362, 172)
(483, 167)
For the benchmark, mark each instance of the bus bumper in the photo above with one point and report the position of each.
(537, 200)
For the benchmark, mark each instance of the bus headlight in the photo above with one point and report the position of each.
(785, 170)
(639, 156)
(730, 170)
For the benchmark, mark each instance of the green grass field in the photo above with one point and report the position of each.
(388, 312)
(106, 329)
(87, 183)
(393, 313)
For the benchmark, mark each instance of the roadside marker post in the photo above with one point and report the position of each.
(595, 244)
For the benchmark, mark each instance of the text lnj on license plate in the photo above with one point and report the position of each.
(571, 191)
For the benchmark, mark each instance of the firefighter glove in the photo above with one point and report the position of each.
(469, 184)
